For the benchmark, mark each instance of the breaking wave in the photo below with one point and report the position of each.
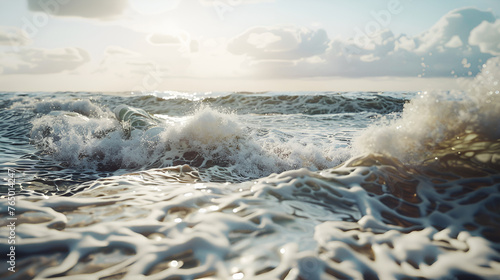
(207, 139)
(197, 197)
(435, 121)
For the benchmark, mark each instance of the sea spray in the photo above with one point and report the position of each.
(207, 139)
(435, 117)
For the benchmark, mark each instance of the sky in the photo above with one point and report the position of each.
(244, 45)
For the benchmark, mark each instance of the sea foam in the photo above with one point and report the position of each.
(81, 136)
(361, 221)
(436, 117)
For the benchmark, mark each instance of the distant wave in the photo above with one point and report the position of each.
(286, 103)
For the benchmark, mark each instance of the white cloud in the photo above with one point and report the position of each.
(102, 9)
(487, 37)
(437, 52)
(263, 40)
(13, 36)
(108, 9)
(279, 43)
(42, 61)
(458, 23)
(454, 42)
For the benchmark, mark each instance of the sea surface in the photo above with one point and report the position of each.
(250, 185)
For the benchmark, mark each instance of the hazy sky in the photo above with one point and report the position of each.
(237, 45)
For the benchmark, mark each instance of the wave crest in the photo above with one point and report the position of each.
(436, 117)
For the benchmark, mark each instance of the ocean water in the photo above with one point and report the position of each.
(273, 185)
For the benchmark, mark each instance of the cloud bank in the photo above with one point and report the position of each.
(42, 61)
(458, 44)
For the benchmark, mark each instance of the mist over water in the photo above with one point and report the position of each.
(248, 185)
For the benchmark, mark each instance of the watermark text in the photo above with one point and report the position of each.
(11, 219)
